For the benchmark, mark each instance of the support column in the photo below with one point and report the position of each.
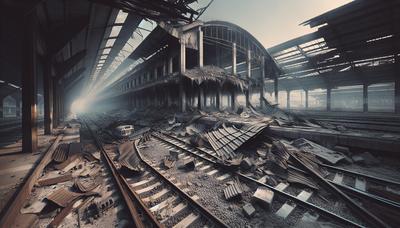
(182, 56)
(200, 47)
(155, 74)
(48, 98)
(218, 99)
(262, 83)
(182, 96)
(288, 99)
(234, 71)
(164, 69)
(365, 97)
(201, 101)
(29, 89)
(248, 64)
(276, 91)
(55, 103)
(328, 99)
(306, 93)
(233, 99)
(170, 65)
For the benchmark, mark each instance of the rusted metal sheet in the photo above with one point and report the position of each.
(226, 140)
(10, 216)
(87, 186)
(68, 164)
(61, 153)
(55, 180)
(63, 197)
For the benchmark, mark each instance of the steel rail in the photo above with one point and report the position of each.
(300, 202)
(372, 178)
(124, 188)
(204, 211)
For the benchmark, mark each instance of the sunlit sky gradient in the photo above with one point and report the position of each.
(270, 21)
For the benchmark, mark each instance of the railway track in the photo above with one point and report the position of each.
(154, 198)
(209, 163)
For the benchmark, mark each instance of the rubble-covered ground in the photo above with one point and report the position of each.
(263, 153)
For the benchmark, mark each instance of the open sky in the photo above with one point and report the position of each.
(270, 21)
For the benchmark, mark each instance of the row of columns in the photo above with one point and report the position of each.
(53, 94)
(329, 97)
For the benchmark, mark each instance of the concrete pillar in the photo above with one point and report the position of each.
(288, 99)
(306, 93)
(155, 74)
(48, 98)
(164, 69)
(248, 64)
(218, 100)
(200, 47)
(170, 65)
(234, 71)
(182, 56)
(262, 83)
(233, 99)
(55, 103)
(182, 96)
(201, 100)
(365, 97)
(328, 99)
(276, 91)
(29, 89)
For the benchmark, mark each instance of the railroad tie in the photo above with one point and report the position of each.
(156, 196)
(204, 168)
(178, 208)
(361, 184)
(212, 172)
(149, 188)
(198, 164)
(287, 208)
(163, 204)
(224, 177)
(338, 178)
(140, 183)
(187, 221)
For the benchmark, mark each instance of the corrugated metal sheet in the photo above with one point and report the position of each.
(226, 140)
(63, 197)
(61, 153)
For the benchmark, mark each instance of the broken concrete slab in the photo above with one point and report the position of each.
(34, 208)
(169, 162)
(264, 197)
(249, 210)
(187, 164)
(174, 154)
